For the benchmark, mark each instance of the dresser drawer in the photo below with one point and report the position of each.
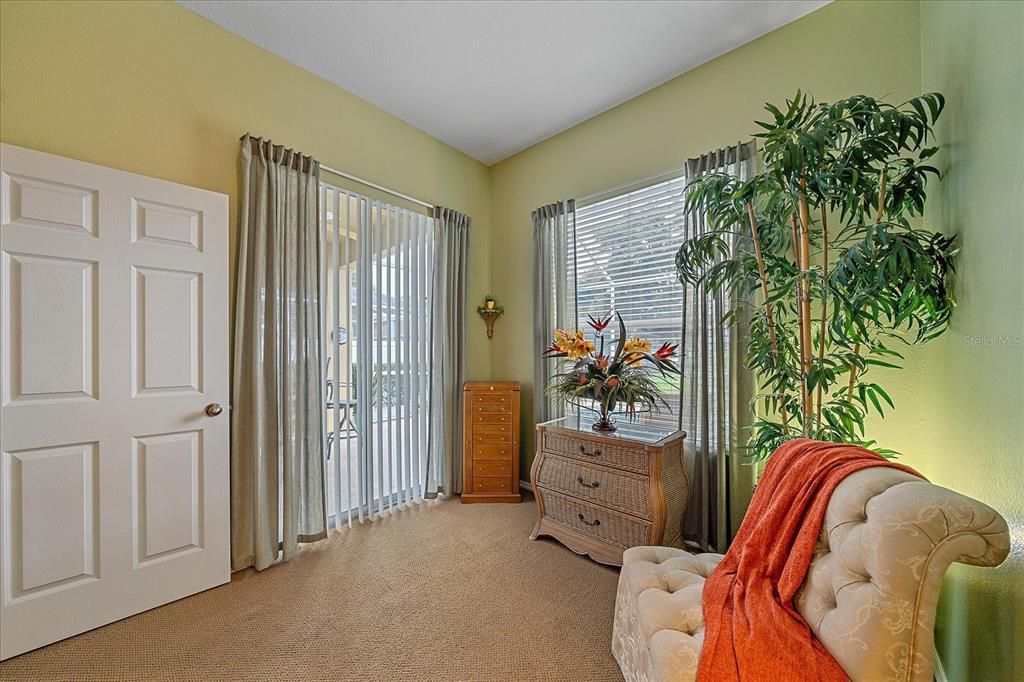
(491, 408)
(492, 485)
(493, 451)
(491, 428)
(491, 467)
(480, 439)
(492, 418)
(596, 521)
(492, 399)
(621, 490)
(623, 456)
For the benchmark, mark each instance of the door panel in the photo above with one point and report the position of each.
(114, 495)
(168, 495)
(166, 330)
(53, 494)
(51, 336)
(51, 205)
(166, 225)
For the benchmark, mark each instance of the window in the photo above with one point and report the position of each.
(624, 255)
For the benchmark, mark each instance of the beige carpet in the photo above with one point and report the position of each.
(443, 591)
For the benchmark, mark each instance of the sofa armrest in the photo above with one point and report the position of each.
(871, 592)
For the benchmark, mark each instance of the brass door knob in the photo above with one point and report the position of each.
(213, 409)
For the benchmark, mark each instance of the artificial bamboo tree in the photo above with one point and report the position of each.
(827, 239)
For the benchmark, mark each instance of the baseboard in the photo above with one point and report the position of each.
(526, 484)
(939, 672)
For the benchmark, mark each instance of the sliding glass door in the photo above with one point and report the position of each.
(377, 261)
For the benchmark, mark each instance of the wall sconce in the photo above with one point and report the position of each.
(490, 311)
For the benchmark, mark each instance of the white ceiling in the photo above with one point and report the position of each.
(492, 78)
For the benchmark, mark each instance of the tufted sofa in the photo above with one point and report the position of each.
(869, 596)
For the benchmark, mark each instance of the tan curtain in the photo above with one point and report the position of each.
(277, 474)
(554, 290)
(448, 351)
(716, 389)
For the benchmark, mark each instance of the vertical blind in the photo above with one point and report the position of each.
(624, 257)
(377, 265)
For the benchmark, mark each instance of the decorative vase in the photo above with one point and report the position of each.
(604, 423)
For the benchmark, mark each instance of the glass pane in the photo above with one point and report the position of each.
(377, 263)
(625, 261)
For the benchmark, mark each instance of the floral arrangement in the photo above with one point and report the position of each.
(623, 377)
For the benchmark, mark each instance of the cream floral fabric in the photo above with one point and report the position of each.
(659, 626)
(869, 596)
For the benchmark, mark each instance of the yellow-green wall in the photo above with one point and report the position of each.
(971, 394)
(841, 49)
(153, 88)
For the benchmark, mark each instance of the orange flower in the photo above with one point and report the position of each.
(633, 349)
(612, 382)
(562, 339)
(573, 344)
(639, 344)
(602, 362)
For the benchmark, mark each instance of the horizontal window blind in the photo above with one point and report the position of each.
(624, 255)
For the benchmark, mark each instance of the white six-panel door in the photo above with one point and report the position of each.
(114, 480)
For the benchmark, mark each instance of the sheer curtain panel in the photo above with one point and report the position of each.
(554, 288)
(447, 346)
(277, 475)
(717, 388)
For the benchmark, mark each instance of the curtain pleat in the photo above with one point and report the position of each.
(277, 476)
(717, 388)
(554, 288)
(447, 347)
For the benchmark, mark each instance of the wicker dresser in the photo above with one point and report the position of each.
(490, 435)
(599, 494)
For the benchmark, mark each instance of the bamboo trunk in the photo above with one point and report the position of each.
(824, 307)
(853, 372)
(804, 397)
(806, 344)
(882, 187)
(762, 273)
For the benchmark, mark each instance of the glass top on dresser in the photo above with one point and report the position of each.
(640, 431)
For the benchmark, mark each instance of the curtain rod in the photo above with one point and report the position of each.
(361, 181)
(382, 188)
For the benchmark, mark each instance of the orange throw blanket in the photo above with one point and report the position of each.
(753, 631)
